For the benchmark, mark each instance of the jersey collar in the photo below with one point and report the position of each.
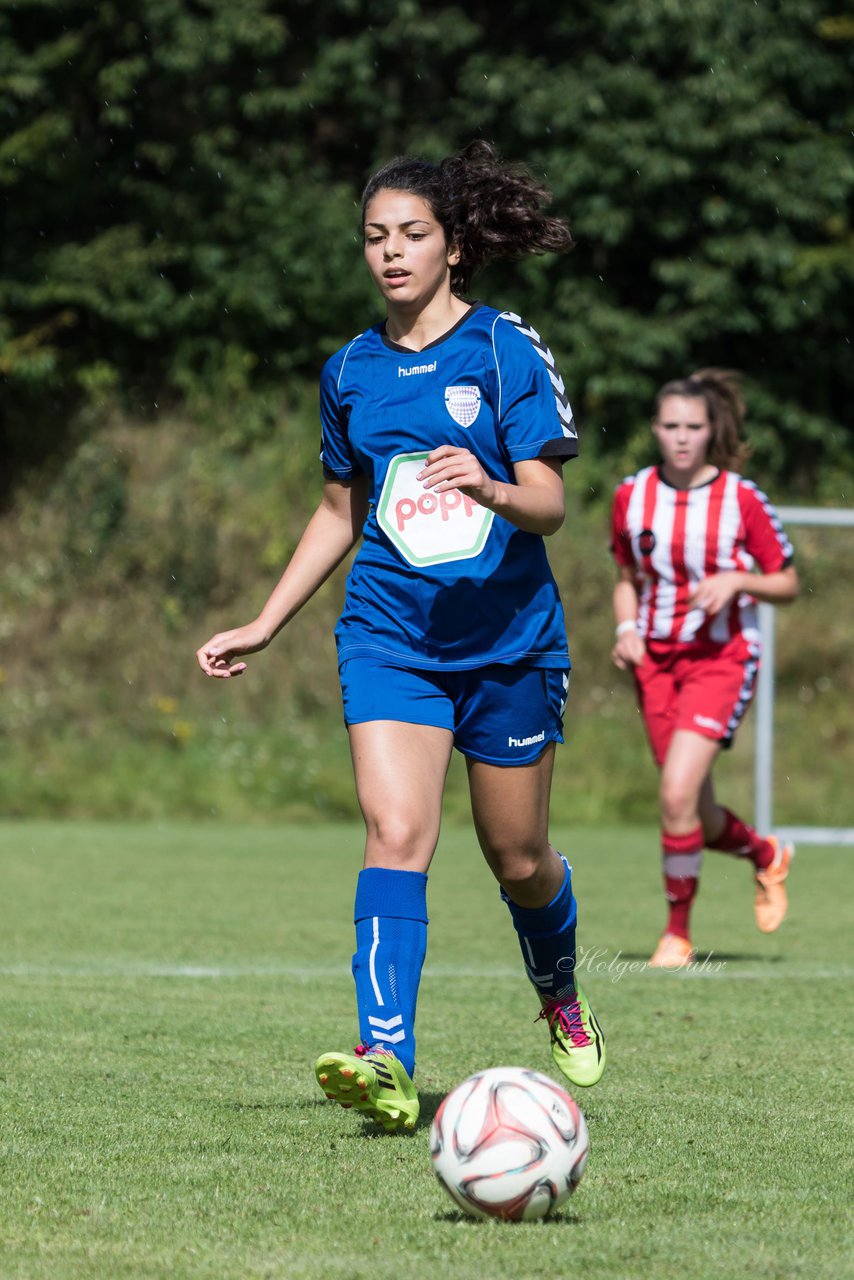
(693, 488)
(407, 351)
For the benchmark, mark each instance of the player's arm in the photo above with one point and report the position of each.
(764, 540)
(330, 534)
(534, 503)
(714, 593)
(629, 648)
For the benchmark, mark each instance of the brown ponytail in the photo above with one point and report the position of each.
(489, 209)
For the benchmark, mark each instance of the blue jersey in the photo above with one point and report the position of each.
(440, 582)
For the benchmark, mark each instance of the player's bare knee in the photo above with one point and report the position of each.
(678, 803)
(517, 867)
(394, 841)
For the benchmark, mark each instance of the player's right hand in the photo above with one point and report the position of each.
(628, 651)
(217, 656)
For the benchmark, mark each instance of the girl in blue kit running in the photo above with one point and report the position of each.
(444, 431)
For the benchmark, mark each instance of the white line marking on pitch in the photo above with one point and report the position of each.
(788, 971)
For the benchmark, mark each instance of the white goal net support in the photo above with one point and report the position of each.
(764, 761)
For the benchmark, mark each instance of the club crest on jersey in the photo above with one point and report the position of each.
(429, 528)
(646, 542)
(463, 404)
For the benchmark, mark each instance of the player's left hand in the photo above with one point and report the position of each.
(715, 592)
(451, 468)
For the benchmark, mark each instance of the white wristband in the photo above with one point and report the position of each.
(629, 624)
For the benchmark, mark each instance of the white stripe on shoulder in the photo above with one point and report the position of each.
(564, 409)
(765, 503)
(638, 480)
(350, 346)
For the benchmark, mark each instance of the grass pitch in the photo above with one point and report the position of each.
(165, 990)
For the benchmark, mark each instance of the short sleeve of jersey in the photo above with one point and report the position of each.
(533, 410)
(764, 536)
(336, 455)
(621, 545)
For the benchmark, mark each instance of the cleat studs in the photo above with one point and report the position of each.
(347, 1072)
(332, 1096)
(346, 1105)
(363, 1097)
(362, 1082)
(323, 1078)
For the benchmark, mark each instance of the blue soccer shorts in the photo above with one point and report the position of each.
(499, 714)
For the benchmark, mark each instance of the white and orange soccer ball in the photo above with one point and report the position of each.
(509, 1143)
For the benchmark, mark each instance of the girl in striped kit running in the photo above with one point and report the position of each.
(696, 546)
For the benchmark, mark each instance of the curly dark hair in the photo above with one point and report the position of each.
(486, 207)
(721, 391)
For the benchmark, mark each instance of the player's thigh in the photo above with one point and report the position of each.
(686, 767)
(656, 691)
(400, 774)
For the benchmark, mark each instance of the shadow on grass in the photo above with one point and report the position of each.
(751, 957)
(559, 1219)
(430, 1103)
(279, 1104)
(429, 1106)
(707, 958)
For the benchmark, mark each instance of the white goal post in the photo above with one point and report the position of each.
(764, 762)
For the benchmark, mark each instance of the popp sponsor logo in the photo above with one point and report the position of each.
(428, 528)
(429, 503)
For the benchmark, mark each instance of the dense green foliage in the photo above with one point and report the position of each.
(179, 182)
(164, 997)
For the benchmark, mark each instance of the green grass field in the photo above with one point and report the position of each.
(166, 988)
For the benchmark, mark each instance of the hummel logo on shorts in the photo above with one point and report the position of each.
(527, 742)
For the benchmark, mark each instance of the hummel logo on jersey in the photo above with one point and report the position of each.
(527, 742)
(463, 404)
(706, 722)
(403, 372)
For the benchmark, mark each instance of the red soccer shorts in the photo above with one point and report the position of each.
(705, 688)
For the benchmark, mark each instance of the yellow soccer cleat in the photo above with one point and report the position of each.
(578, 1045)
(373, 1082)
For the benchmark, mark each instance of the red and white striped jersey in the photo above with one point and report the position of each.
(674, 538)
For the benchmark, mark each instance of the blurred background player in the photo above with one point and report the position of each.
(445, 428)
(688, 536)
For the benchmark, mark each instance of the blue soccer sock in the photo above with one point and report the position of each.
(547, 938)
(391, 942)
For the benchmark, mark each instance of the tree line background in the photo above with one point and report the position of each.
(180, 252)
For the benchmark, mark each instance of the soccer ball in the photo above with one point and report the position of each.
(508, 1143)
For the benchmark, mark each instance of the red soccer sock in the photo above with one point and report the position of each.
(682, 856)
(744, 841)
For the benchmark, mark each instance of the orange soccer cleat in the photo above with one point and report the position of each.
(771, 902)
(672, 952)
